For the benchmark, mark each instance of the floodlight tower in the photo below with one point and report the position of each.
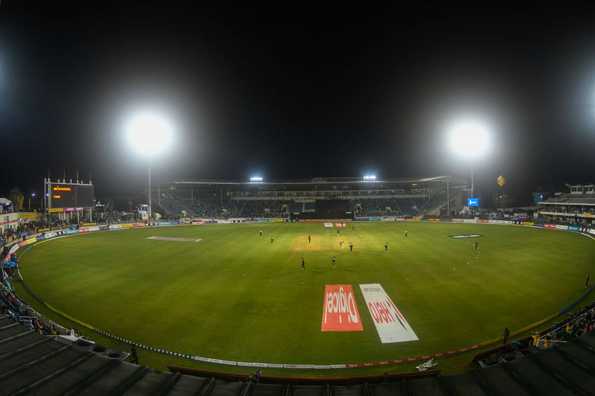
(149, 134)
(469, 138)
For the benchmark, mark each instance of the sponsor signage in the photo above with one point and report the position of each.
(390, 323)
(328, 225)
(467, 221)
(339, 309)
(465, 236)
(473, 202)
(88, 229)
(49, 235)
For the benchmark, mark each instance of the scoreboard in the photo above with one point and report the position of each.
(70, 195)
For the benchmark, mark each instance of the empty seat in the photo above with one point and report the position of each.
(188, 385)
(387, 389)
(226, 388)
(499, 381)
(534, 378)
(111, 380)
(308, 390)
(17, 341)
(38, 350)
(351, 390)
(38, 368)
(577, 352)
(64, 381)
(148, 384)
(425, 387)
(464, 384)
(574, 376)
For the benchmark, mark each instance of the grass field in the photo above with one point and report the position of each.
(235, 295)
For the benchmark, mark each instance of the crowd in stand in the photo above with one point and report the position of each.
(567, 220)
(22, 230)
(26, 228)
(575, 325)
(12, 306)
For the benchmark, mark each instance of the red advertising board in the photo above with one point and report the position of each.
(339, 311)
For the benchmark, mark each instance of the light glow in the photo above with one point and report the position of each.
(256, 179)
(469, 138)
(370, 177)
(149, 133)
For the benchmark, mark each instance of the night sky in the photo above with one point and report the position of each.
(295, 91)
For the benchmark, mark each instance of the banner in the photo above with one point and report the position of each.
(389, 321)
(339, 309)
(88, 229)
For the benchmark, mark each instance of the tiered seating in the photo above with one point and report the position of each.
(34, 364)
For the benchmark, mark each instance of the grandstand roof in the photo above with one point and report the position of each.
(318, 180)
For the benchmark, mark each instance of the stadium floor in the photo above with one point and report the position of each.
(223, 291)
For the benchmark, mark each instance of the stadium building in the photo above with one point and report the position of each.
(319, 198)
(576, 207)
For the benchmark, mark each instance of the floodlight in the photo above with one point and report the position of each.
(370, 177)
(149, 133)
(469, 138)
(256, 179)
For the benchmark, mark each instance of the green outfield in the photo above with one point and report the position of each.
(225, 292)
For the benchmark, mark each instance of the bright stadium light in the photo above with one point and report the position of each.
(149, 134)
(369, 177)
(256, 179)
(469, 138)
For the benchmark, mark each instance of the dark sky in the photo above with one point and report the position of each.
(295, 91)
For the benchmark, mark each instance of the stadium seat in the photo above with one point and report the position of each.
(34, 364)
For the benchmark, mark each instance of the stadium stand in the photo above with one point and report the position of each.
(407, 197)
(31, 363)
(574, 207)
